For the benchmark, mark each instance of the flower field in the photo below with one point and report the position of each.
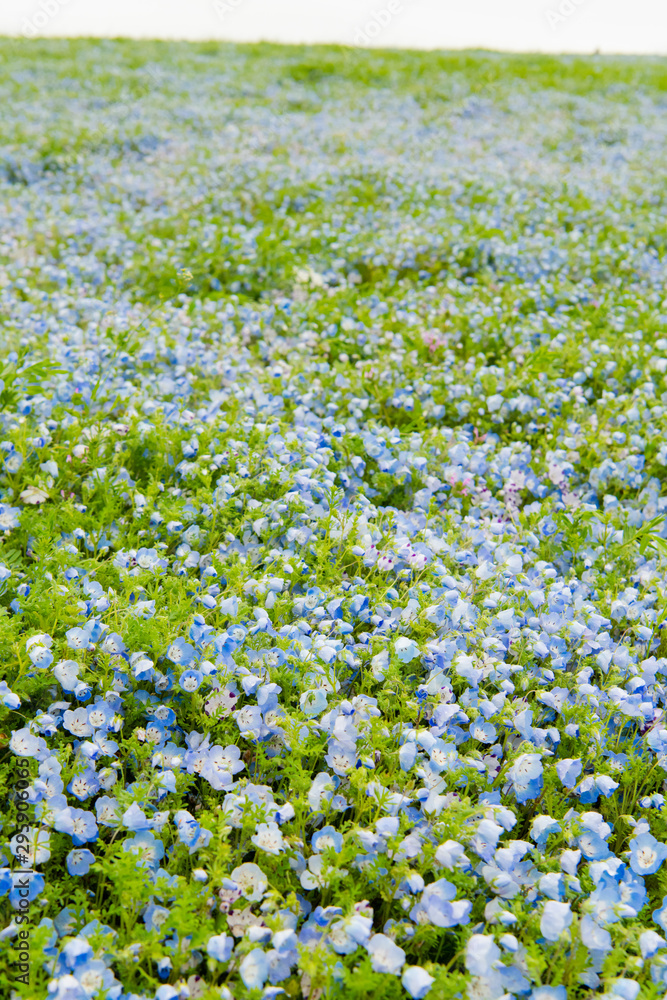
(333, 551)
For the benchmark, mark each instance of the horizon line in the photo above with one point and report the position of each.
(480, 50)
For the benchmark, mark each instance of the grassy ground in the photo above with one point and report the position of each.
(332, 552)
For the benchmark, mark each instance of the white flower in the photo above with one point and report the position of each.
(34, 495)
(251, 880)
(23, 743)
(268, 838)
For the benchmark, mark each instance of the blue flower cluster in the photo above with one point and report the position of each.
(333, 541)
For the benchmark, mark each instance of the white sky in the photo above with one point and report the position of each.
(631, 26)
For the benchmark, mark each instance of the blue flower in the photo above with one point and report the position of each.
(342, 756)
(190, 832)
(250, 722)
(66, 673)
(84, 784)
(313, 702)
(220, 948)
(485, 839)
(190, 680)
(25, 888)
(8, 698)
(254, 969)
(154, 916)
(593, 847)
(416, 981)
(593, 935)
(646, 854)
(660, 915)
(148, 848)
(14, 461)
(526, 775)
(78, 823)
(79, 861)
(650, 943)
(556, 918)
(542, 828)
(181, 652)
(439, 904)
(113, 644)
(134, 818)
(385, 955)
(326, 838)
(405, 649)
(9, 517)
(164, 967)
(106, 809)
(568, 771)
(481, 954)
(78, 638)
